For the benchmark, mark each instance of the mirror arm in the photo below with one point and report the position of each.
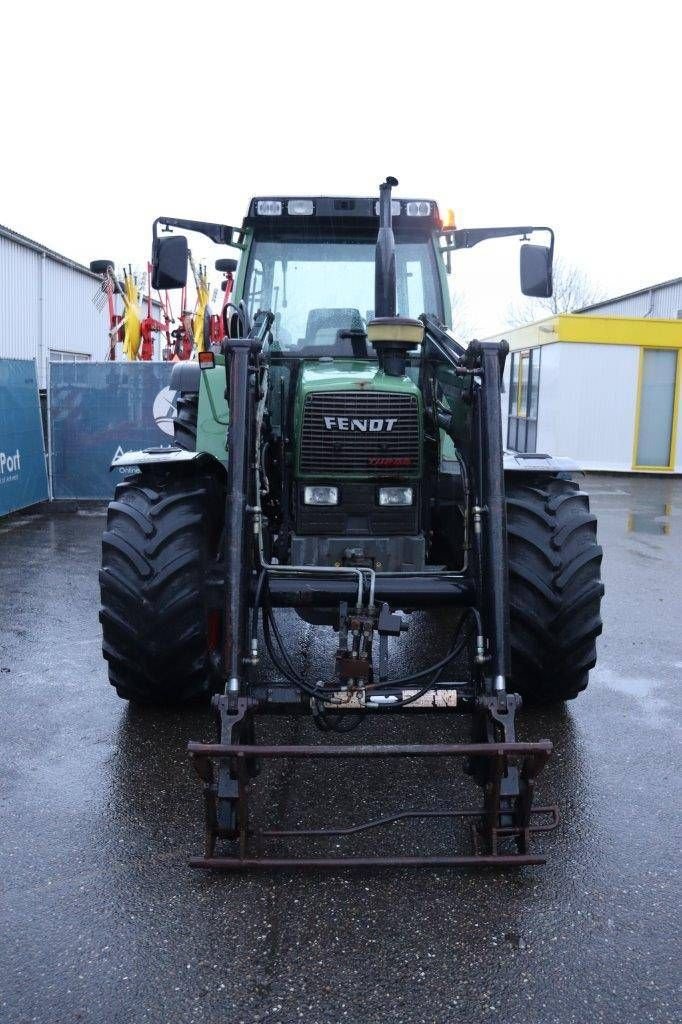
(467, 238)
(221, 234)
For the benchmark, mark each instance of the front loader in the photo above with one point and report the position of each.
(340, 454)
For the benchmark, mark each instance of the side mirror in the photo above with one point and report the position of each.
(169, 262)
(226, 266)
(536, 271)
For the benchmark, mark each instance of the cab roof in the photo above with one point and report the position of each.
(292, 213)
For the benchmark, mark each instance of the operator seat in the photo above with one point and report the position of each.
(324, 324)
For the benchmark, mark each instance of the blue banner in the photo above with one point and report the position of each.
(99, 410)
(23, 474)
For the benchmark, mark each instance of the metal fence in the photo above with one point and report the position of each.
(98, 410)
(23, 475)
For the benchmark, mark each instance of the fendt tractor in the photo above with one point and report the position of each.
(340, 453)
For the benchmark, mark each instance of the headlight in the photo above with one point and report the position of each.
(418, 209)
(300, 206)
(395, 495)
(269, 207)
(320, 496)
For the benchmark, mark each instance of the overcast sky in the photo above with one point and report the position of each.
(550, 113)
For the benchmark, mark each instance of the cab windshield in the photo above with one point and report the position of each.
(317, 288)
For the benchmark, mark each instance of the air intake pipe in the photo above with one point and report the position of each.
(392, 336)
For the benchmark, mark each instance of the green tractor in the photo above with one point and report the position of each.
(340, 454)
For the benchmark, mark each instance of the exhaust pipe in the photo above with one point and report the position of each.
(384, 263)
(391, 336)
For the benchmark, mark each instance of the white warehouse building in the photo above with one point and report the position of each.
(47, 311)
(46, 307)
(602, 386)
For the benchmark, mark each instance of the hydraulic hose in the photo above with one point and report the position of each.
(456, 649)
(270, 627)
(262, 578)
(340, 716)
(287, 669)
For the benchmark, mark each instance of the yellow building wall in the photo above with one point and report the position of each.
(636, 333)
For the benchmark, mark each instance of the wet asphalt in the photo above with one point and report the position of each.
(102, 921)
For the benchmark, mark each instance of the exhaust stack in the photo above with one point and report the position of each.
(384, 263)
(391, 335)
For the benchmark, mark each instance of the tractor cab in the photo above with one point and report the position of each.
(311, 262)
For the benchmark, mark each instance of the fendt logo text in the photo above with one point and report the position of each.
(372, 426)
(9, 464)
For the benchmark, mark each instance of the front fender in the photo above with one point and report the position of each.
(527, 462)
(162, 457)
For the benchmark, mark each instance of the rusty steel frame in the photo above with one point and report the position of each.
(487, 832)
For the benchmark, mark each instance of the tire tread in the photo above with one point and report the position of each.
(153, 612)
(555, 588)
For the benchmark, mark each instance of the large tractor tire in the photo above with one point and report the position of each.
(161, 532)
(185, 381)
(555, 587)
(185, 422)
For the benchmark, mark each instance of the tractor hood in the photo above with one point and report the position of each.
(352, 419)
(349, 374)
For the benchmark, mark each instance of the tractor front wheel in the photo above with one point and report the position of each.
(160, 535)
(555, 587)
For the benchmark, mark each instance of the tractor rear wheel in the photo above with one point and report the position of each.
(555, 587)
(185, 422)
(161, 532)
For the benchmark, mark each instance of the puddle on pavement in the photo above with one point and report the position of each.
(608, 493)
(632, 686)
(14, 524)
(642, 689)
(655, 521)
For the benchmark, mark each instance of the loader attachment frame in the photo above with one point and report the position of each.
(505, 769)
(490, 835)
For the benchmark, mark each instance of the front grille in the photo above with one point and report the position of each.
(361, 447)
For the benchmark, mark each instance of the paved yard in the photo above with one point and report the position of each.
(101, 920)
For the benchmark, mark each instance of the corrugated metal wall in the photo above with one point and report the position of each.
(73, 323)
(46, 305)
(19, 301)
(664, 301)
